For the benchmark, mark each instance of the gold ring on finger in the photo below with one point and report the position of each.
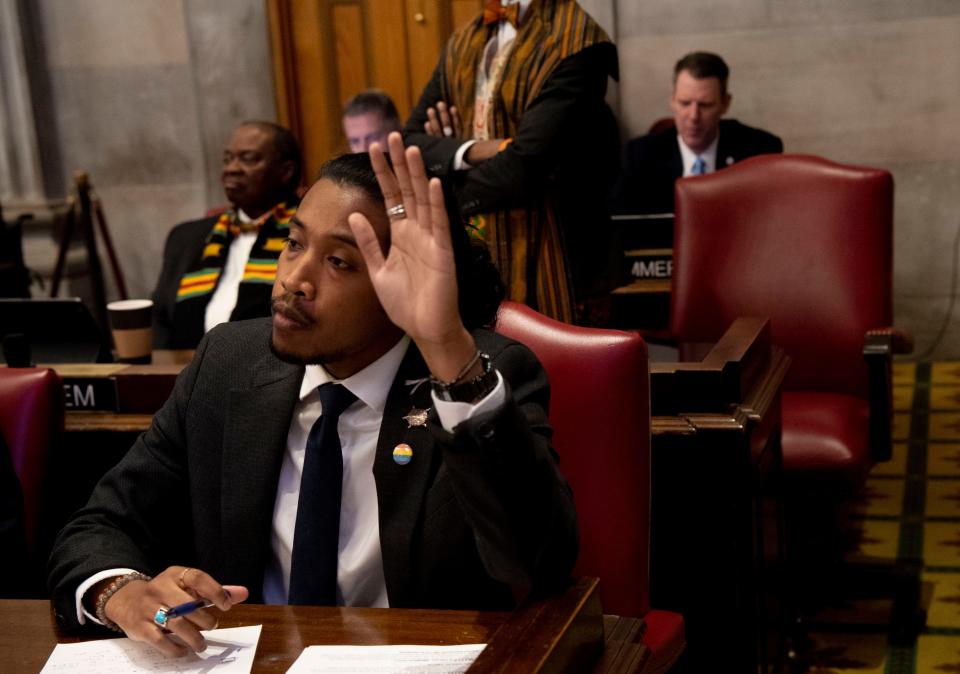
(183, 575)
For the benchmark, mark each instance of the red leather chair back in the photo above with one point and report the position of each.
(31, 420)
(662, 124)
(799, 239)
(599, 409)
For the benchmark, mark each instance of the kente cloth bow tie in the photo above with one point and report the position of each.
(494, 12)
(240, 227)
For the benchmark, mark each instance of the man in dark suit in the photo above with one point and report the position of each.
(221, 268)
(451, 496)
(698, 142)
(504, 118)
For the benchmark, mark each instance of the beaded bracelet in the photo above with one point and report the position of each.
(460, 375)
(110, 590)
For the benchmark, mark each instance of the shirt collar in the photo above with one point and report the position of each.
(371, 384)
(689, 156)
(524, 4)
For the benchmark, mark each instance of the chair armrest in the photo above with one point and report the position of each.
(879, 346)
(899, 340)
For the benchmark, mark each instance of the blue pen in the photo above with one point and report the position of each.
(188, 608)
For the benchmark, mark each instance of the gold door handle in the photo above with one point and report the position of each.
(419, 17)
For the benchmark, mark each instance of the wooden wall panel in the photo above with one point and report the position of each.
(428, 26)
(325, 51)
(319, 114)
(386, 26)
(351, 56)
(462, 11)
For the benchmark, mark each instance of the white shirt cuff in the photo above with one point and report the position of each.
(459, 163)
(82, 614)
(452, 414)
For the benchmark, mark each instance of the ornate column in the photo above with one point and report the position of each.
(21, 172)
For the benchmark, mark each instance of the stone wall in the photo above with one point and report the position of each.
(142, 95)
(870, 82)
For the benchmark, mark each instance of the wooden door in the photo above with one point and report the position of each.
(325, 51)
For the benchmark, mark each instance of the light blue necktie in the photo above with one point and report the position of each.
(699, 167)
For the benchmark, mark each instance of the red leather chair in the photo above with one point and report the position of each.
(31, 420)
(662, 124)
(599, 384)
(808, 243)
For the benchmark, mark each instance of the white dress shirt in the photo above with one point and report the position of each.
(360, 579)
(688, 156)
(224, 297)
(504, 36)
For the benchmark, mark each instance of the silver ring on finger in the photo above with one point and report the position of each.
(160, 618)
(397, 212)
(448, 131)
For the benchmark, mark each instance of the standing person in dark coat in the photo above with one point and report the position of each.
(515, 118)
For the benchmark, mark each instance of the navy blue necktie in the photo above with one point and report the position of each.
(699, 167)
(313, 567)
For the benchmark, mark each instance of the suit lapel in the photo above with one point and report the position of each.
(257, 423)
(726, 146)
(401, 489)
(675, 160)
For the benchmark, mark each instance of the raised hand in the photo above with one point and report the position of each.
(416, 282)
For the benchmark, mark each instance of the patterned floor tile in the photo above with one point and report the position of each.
(943, 426)
(943, 604)
(897, 465)
(878, 539)
(943, 459)
(904, 373)
(902, 398)
(943, 498)
(901, 426)
(881, 497)
(937, 654)
(842, 653)
(941, 544)
(945, 373)
(944, 398)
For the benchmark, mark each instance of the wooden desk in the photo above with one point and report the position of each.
(716, 519)
(562, 634)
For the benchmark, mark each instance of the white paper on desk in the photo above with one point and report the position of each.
(386, 659)
(229, 651)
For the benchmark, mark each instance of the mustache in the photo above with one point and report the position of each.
(288, 306)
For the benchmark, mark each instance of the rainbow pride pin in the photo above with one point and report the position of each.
(402, 454)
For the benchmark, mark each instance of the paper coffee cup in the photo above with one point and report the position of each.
(131, 322)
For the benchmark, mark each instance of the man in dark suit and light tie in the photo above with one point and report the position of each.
(698, 142)
(372, 445)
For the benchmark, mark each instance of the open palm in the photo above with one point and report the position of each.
(416, 282)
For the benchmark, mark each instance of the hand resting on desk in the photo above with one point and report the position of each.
(133, 606)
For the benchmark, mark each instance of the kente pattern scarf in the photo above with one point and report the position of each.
(253, 295)
(526, 244)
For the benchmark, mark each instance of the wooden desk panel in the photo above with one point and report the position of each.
(716, 524)
(561, 634)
